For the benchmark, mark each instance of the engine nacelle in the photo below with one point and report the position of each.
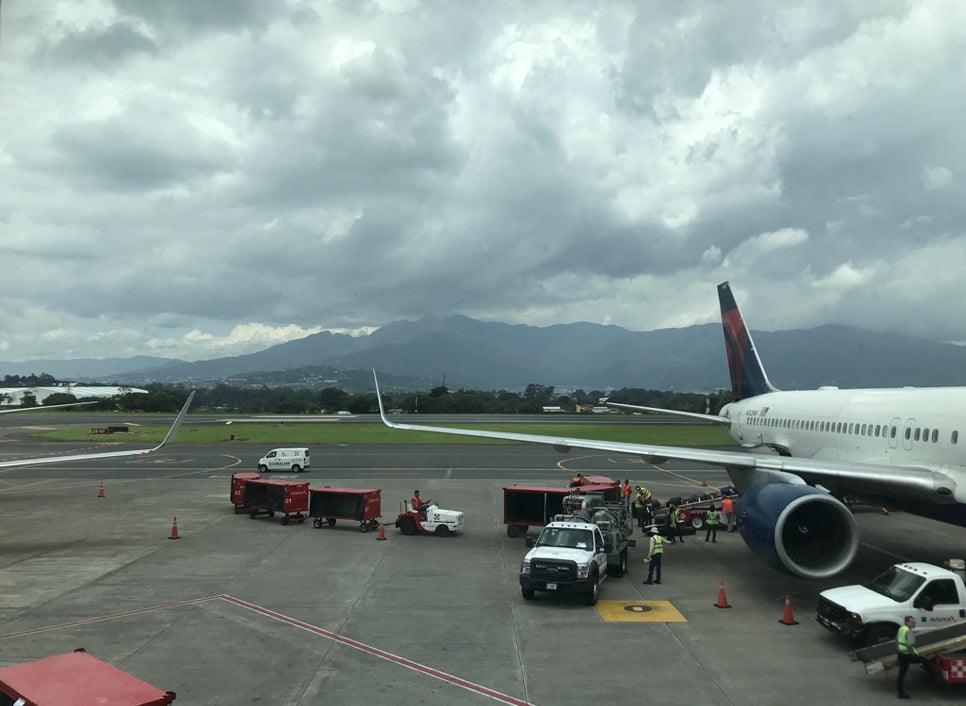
(798, 529)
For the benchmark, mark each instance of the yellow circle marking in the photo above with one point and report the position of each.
(639, 612)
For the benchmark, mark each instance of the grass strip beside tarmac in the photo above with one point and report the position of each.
(322, 434)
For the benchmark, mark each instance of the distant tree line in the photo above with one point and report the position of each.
(273, 400)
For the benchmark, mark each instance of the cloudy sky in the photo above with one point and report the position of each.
(201, 178)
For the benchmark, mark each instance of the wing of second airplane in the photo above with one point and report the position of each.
(172, 433)
(746, 469)
(711, 418)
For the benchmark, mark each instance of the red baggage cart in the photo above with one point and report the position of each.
(76, 679)
(266, 497)
(328, 504)
(238, 489)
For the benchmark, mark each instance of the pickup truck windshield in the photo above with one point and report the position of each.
(895, 583)
(566, 537)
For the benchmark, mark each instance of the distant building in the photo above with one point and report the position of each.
(15, 394)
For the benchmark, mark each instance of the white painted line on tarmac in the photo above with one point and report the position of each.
(314, 629)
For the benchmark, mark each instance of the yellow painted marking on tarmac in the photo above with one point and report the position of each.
(639, 612)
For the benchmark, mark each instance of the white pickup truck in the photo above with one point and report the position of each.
(872, 613)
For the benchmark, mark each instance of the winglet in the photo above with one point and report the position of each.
(173, 431)
(382, 410)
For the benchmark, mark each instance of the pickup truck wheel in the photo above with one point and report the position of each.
(593, 592)
(697, 522)
(877, 634)
(407, 525)
(527, 593)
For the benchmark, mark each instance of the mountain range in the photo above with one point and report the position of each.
(461, 352)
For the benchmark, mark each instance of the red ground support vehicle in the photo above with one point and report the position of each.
(533, 506)
(76, 679)
(328, 504)
(266, 497)
(238, 489)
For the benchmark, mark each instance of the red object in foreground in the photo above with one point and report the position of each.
(77, 679)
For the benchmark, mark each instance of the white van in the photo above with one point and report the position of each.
(294, 459)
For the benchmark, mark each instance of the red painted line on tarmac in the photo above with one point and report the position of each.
(402, 661)
(86, 621)
(349, 642)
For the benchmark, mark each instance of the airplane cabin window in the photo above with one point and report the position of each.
(908, 433)
(893, 434)
(955, 437)
(925, 434)
(916, 438)
(935, 435)
(877, 427)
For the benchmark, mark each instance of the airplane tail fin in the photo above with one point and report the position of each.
(748, 376)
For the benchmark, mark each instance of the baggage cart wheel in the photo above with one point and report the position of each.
(271, 513)
(236, 509)
(318, 523)
(285, 520)
(363, 526)
(252, 514)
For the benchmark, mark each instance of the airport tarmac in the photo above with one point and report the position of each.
(242, 611)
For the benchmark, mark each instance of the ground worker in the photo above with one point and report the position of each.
(712, 522)
(646, 493)
(674, 517)
(728, 512)
(575, 481)
(655, 553)
(638, 510)
(416, 502)
(906, 651)
(626, 493)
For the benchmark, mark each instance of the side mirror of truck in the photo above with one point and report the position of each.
(924, 602)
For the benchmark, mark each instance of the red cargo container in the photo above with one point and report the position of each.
(534, 506)
(266, 497)
(329, 504)
(76, 679)
(238, 489)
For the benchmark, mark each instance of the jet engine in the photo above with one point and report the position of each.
(798, 529)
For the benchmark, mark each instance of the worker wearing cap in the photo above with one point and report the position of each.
(906, 651)
(638, 511)
(575, 481)
(626, 493)
(655, 553)
(712, 522)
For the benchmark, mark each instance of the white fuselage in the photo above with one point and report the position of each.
(912, 427)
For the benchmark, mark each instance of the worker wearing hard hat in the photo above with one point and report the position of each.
(655, 554)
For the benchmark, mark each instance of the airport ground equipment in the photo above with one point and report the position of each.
(238, 489)
(578, 550)
(935, 596)
(295, 459)
(362, 505)
(266, 497)
(945, 647)
(433, 520)
(75, 679)
(534, 506)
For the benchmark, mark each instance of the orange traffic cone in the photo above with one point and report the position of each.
(100, 490)
(382, 532)
(174, 530)
(788, 618)
(722, 599)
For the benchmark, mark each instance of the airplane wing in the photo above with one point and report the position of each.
(745, 469)
(42, 407)
(172, 432)
(711, 418)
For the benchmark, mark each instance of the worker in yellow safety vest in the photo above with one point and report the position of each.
(906, 651)
(655, 554)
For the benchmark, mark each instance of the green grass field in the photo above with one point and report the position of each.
(323, 434)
